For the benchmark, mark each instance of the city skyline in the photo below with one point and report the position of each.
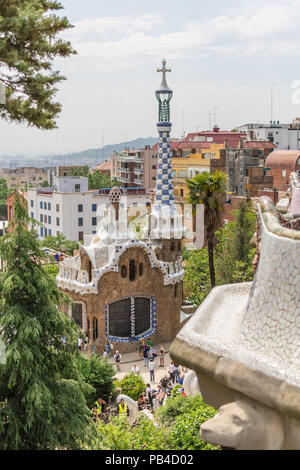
(222, 58)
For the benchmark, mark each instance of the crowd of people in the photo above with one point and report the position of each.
(156, 393)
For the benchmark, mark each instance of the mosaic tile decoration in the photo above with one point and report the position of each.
(133, 338)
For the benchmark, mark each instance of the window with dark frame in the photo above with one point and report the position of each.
(132, 270)
(95, 329)
(120, 321)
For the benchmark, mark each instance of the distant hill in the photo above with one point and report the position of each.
(85, 157)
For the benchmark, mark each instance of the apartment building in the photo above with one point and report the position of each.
(284, 136)
(135, 168)
(24, 176)
(70, 208)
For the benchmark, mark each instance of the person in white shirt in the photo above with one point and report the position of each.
(79, 343)
(151, 369)
(135, 370)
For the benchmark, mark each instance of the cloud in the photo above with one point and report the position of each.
(117, 42)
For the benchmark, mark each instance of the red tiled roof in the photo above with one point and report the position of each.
(104, 166)
(259, 144)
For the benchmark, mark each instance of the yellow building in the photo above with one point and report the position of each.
(191, 164)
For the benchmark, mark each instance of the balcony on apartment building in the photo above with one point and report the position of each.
(135, 158)
(138, 171)
(139, 181)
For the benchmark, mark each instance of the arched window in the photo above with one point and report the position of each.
(123, 271)
(172, 246)
(132, 270)
(95, 329)
(140, 269)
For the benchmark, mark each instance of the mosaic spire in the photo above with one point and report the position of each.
(164, 196)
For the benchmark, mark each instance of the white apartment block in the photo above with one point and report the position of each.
(285, 136)
(71, 209)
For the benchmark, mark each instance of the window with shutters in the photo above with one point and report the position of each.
(130, 318)
(119, 318)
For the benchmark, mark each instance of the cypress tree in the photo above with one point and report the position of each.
(42, 393)
(29, 42)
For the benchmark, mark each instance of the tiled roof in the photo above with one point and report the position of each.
(259, 144)
(104, 166)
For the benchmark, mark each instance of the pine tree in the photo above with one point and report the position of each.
(42, 393)
(29, 43)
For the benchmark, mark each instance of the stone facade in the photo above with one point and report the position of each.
(113, 287)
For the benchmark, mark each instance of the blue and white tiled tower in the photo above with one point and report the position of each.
(165, 215)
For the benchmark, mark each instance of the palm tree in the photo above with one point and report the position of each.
(208, 189)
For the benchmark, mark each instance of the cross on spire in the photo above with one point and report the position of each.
(164, 70)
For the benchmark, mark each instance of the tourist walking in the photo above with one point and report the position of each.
(162, 357)
(176, 372)
(146, 359)
(149, 395)
(141, 347)
(172, 371)
(151, 369)
(136, 370)
(79, 343)
(117, 358)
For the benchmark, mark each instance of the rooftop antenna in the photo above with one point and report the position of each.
(209, 121)
(183, 126)
(215, 116)
(64, 148)
(272, 101)
(102, 145)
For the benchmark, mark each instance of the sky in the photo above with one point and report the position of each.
(224, 54)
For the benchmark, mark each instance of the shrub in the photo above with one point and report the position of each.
(185, 433)
(132, 385)
(119, 435)
(99, 374)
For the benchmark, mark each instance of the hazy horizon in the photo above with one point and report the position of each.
(223, 55)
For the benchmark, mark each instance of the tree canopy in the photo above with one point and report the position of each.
(29, 43)
(208, 189)
(42, 392)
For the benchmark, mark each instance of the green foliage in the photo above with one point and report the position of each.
(60, 243)
(132, 385)
(119, 435)
(185, 433)
(99, 180)
(52, 269)
(84, 171)
(4, 192)
(99, 375)
(96, 179)
(208, 189)
(176, 427)
(42, 394)
(234, 251)
(182, 417)
(196, 279)
(29, 42)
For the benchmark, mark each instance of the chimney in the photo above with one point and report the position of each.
(216, 129)
(241, 144)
